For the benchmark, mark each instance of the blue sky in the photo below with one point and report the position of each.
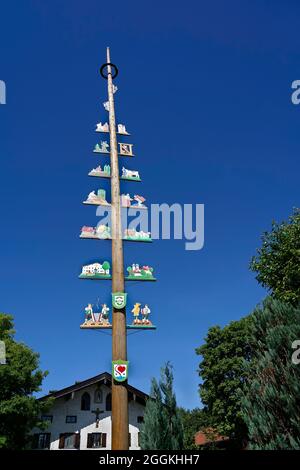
(204, 88)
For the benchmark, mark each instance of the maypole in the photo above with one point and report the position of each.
(119, 348)
(101, 270)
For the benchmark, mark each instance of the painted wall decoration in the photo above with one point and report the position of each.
(99, 319)
(102, 127)
(101, 232)
(102, 147)
(106, 105)
(96, 271)
(140, 273)
(99, 171)
(130, 175)
(120, 370)
(141, 315)
(133, 235)
(125, 149)
(119, 299)
(98, 199)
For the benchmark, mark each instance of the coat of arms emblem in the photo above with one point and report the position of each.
(119, 299)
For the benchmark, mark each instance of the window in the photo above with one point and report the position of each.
(85, 401)
(48, 418)
(108, 402)
(41, 440)
(71, 419)
(140, 419)
(98, 396)
(69, 440)
(96, 440)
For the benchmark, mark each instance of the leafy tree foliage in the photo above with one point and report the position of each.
(271, 405)
(223, 373)
(20, 377)
(277, 262)
(193, 421)
(162, 427)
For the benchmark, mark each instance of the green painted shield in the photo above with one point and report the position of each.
(119, 299)
(120, 370)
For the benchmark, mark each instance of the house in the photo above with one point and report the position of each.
(95, 268)
(80, 417)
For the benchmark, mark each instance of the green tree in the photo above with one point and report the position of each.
(162, 427)
(20, 377)
(270, 403)
(106, 265)
(277, 262)
(192, 421)
(223, 375)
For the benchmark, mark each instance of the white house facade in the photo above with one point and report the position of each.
(80, 417)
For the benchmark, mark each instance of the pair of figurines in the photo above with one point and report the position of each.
(92, 317)
(144, 312)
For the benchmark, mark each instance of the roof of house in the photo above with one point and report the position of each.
(104, 378)
(207, 436)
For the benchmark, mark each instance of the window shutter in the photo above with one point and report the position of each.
(103, 439)
(89, 441)
(61, 444)
(48, 439)
(35, 441)
(77, 440)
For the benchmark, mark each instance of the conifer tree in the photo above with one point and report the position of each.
(271, 405)
(162, 427)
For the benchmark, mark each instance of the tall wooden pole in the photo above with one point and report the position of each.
(120, 428)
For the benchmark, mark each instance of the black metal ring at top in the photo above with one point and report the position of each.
(115, 73)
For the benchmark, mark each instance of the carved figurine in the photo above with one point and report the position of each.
(126, 200)
(102, 231)
(140, 273)
(130, 174)
(145, 314)
(132, 234)
(87, 232)
(100, 172)
(102, 127)
(104, 313)
(139, 200)
(89, 314)
(99, 198)
(106, 169)
(96, 270)
(125, 149)
(104, 146)
(136, 312)
(122, 129)
(96, 320)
